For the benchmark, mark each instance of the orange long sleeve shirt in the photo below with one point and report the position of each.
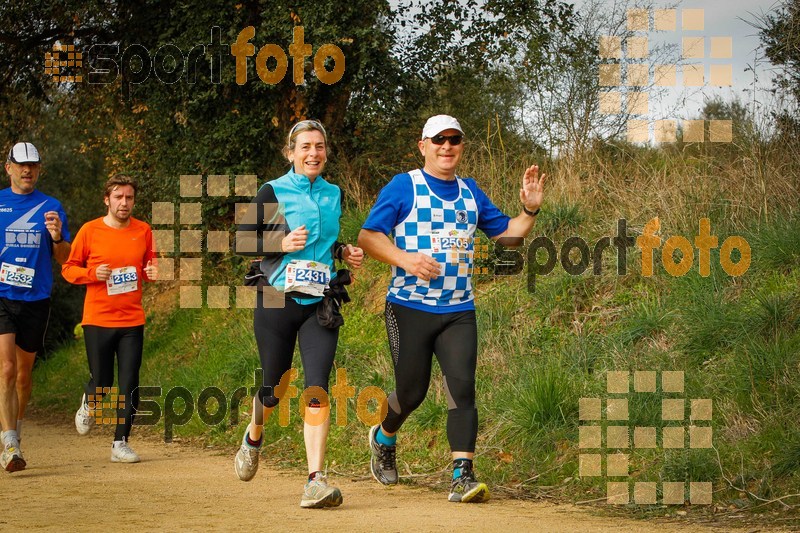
(115, 303)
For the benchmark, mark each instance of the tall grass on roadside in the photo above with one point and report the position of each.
(743, 182)
(787, 461)
(563, 217)
(777, 244)
(763, 375)
(542, 402)
(646, 319)
(708, 321)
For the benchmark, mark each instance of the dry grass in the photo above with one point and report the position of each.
(736, 183)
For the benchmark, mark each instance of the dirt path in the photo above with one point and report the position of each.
(71, 485)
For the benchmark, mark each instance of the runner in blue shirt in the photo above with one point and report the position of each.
(432, 215)
(34, 228)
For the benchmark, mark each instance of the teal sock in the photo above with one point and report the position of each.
(461, 466)
(384, 439)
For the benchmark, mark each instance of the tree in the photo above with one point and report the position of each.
(561, 90)
(780, 34)
(158, 124)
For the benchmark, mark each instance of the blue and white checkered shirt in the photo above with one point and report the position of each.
(445, 231)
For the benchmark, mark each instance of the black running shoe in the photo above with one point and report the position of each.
(466, 489)
(382, 463)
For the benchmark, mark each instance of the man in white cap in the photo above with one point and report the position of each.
(432, 215)
(34, 229)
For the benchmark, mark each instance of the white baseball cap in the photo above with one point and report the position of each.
(24, 153)
(438, 123)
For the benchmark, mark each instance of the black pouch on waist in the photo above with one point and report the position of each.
(329, 309)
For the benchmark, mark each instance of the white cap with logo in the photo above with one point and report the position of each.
(438, 123)
(24, 153)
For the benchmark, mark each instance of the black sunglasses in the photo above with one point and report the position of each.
(455, 140)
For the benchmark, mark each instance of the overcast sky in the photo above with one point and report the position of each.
(727, 18)
(722, 18)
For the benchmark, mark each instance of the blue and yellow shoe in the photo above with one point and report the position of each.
(466, 489)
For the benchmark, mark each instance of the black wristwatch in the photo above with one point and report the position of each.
(531, 213)
(339, 252)
(59, 241)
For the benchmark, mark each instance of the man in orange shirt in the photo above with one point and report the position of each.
(111, 255)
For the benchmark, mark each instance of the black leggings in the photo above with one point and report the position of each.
(101, 345)
(414, 336)
(277, 331)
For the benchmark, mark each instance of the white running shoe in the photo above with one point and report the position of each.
(246, 460)
(84, 421)
(317, 494)
(121, 452)
(11, 459)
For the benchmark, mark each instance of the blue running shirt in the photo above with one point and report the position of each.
(25, 260)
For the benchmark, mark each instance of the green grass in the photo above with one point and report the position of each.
(737, 340)
(787, 461)
(560, 218)
(646, 318)
(777, 244)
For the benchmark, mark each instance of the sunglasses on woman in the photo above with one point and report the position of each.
(455, 140)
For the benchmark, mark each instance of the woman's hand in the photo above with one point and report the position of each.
(295, 240)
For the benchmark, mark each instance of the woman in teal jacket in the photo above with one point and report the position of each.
(293, 222)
